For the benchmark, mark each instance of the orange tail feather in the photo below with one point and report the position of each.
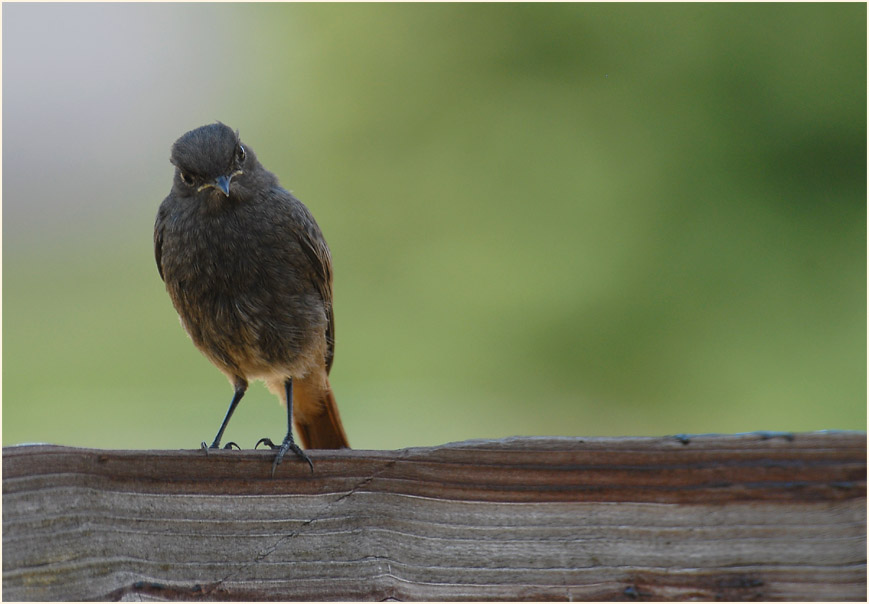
(320, 426)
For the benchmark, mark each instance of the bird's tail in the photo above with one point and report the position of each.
(317, 421)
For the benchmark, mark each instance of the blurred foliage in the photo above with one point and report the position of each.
(570, 219)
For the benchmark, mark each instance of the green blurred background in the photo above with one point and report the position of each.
(571, 219)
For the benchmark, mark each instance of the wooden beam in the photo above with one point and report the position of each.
(740, 517)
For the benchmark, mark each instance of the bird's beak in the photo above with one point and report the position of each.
(222, 183)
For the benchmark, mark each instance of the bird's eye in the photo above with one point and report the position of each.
(239, 154)
(186, 178)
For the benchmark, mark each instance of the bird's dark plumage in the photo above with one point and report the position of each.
(250, 274)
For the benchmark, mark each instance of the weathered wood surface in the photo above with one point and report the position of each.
(742, 517)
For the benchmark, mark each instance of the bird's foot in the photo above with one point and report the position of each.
(288, 445)
(214, 445)
(264, 441)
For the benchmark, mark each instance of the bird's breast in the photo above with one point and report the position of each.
(241, 288)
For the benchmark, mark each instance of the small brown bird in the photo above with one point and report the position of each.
(250, 275)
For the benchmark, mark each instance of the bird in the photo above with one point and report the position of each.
(250, 275)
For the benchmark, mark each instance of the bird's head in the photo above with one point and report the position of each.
(209, 157)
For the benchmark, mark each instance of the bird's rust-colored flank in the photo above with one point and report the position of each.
(250, 274)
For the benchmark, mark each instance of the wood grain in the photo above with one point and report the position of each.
(741, 517)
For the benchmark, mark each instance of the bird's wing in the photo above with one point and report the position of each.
(315, 248)
(158, 240)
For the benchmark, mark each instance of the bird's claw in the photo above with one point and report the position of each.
(267, 442)
(287, 445)
(214, 445)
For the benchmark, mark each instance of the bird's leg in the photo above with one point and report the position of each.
(289, 444)
(240, 388)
